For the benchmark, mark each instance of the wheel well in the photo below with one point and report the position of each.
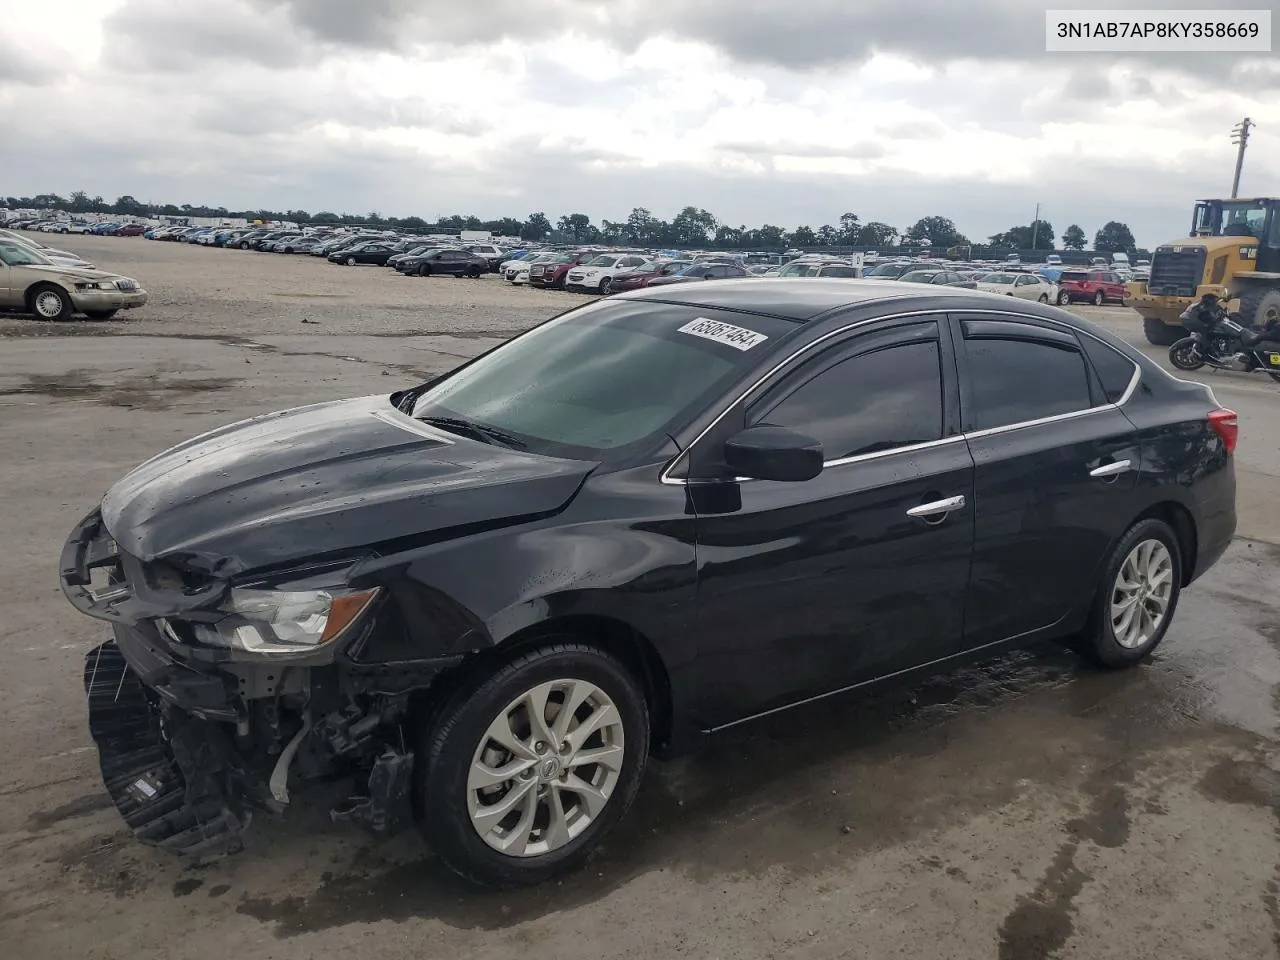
(1184, 527)
(611, 636)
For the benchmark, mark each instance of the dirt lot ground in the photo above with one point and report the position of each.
(1024, 809)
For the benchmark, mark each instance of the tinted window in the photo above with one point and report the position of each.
(1114, 370)
(839, 271)
(1013, 381)
(876, 401)
(1025, 281)
(604, 376)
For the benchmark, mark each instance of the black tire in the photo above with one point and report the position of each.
(1162, 334)
(1098, 298)
(1098, 640)
(350, 261)
(1064, 298)
(100, 314)
(448, 746)
(473, 273)
(1184, 356)
(244, 244)
(424, 270)
(43, 294)
(1043, 298)
(606, 286)
(1259, 306)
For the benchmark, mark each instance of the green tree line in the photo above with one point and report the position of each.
(692, 227)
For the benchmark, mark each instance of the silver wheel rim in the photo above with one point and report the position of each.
(546, 768)
(1141, 594)
(48, 304)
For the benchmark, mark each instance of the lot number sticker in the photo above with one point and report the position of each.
(739, 338)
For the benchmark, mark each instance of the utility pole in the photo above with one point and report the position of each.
(1035, 228)
(1240, 137)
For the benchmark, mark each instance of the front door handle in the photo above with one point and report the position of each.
(937, 508)
(1111, 469)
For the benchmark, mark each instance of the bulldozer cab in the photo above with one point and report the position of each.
(1257, 219)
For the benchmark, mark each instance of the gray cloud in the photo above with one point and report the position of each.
(18, 66)
(864, 150)
(184, 38)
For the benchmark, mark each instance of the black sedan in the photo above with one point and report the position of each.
(372, 252)
(489, 598)
(701, 271)
(456, 263)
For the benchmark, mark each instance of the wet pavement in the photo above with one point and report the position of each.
(1025, 808)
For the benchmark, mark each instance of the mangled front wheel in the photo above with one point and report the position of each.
(525, 772)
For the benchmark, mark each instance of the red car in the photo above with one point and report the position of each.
(130, 230)
(550, 276)
(1096, 286)
(640, 276)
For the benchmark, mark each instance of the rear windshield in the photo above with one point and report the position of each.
(1073, 275)
(606, 378)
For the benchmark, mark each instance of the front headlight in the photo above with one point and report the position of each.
(93, 286)
(274, 622)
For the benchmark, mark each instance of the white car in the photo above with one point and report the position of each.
(518, 273)
(1026, 286)
(597, 274)
(516, 262)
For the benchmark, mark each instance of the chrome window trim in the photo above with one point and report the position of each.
(665, 478)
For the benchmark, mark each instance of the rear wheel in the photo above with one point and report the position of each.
(1064, 298)
(244, 244)
(351, 261)
(1044, 298)
(424, 270)
(473, 273)
(49, 302)
(527, 770)
(1260, 307)
(1098, 298)
(1162, 334)
(1137, 597)
(606, 286)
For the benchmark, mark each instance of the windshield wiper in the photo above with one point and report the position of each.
(475, 430)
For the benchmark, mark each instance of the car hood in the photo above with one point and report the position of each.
(72, 272)
(332, 479)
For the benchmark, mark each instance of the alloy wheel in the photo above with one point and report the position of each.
(48, 304)
(546, 768)
(1141, 594)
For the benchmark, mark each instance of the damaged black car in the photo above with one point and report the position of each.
(488, 599)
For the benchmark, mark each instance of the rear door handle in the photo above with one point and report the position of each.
(1111, 469)
(937, 507)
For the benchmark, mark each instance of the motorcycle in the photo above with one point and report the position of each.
(1218, 340)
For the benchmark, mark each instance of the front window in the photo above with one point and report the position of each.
(604, 377)
(1230, 218)
(1001, 278)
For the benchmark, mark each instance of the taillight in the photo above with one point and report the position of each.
(1226, 424)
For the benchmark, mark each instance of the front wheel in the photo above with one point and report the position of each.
(529, 768)
(50, 302)
(473, 273)
(606, 286)
(1185, 354)
(351, 261)
(1137, 597)
(244, 245)
(1099, 299)
(424, 271)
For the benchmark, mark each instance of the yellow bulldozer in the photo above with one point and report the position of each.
(1233, 251)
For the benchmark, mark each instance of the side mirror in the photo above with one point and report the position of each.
(766, 452)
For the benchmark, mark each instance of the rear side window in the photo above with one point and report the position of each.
(1115, 371)
(1016, 381)
(875, 401)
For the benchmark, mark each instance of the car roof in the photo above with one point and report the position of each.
(803, 298)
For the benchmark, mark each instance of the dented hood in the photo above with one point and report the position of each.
(324, 479)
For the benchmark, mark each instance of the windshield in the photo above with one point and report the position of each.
(607, 376)
(20, 255)
(601, 262)
(1230, 218)
(887, 270)
(798, 270)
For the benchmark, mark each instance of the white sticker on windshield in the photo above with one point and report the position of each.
(739, 338)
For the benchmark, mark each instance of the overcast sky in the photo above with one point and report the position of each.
(761, 111)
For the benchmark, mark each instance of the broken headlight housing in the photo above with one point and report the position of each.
(284, 621)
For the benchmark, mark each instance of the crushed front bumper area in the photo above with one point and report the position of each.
(166, 775)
